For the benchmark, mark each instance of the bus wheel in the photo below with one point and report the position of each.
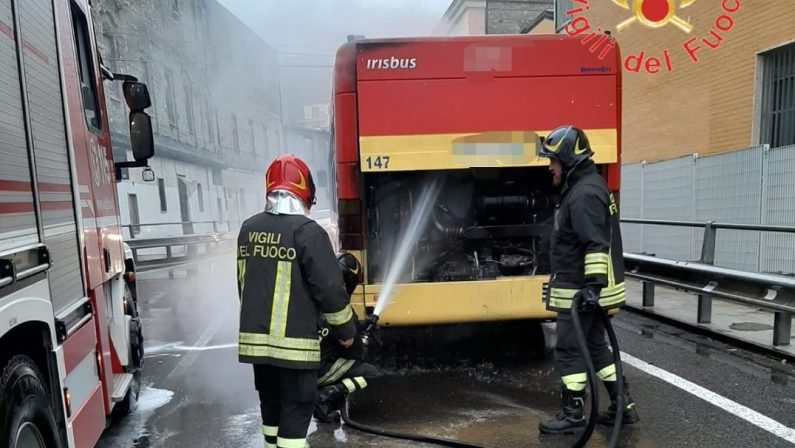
(26, 420)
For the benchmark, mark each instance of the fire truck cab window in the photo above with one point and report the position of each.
(85, 68)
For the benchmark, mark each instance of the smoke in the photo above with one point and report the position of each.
(307, 33)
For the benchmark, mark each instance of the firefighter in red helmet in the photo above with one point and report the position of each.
(288, 276)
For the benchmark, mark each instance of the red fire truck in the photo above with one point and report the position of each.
(70, 338)
(468, 112)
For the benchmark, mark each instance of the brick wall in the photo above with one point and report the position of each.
(705, 107)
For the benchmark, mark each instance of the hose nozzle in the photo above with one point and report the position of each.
(372, 326)
(372, 322)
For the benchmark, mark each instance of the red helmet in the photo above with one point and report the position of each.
(288, 172)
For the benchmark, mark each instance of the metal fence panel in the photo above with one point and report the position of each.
(778, 208)
(728, 189)
(748, 187)
(668, 194)
(631, 203)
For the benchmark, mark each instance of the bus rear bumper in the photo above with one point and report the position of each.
(508, 298)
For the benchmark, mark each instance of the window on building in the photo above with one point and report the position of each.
(85, 69)
(778, 97)
(235, 133)
(161, 187)
(135, 217)
(217, 131)
(175, 9)
(253, 136)
(171, 98)
(201, 197)
(146, 77)
(209, 122)
(189, 109)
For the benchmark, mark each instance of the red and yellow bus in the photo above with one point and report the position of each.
(469, 112)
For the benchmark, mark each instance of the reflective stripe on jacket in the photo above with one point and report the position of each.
(586, 243)
(287, 275)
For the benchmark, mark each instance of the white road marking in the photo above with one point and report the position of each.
(185, 363)
(173, 348)
(732, 407)
(187, 348)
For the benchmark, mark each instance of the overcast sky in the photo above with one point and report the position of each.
(307, 33)
(324, 24)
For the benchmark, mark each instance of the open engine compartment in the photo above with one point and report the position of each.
(485, 223)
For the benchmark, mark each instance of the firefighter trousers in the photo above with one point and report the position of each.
(355, 372)
(569, 362)
(287, 398)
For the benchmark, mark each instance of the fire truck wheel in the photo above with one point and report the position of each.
(26, 419)
(136, 343)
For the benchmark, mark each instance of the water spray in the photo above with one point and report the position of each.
(419, 218)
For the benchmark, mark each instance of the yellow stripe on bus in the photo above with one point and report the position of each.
(465, 150)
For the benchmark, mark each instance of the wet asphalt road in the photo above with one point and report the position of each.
(197, 395)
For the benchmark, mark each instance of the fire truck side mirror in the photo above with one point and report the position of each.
(137, 96)
(141, 138)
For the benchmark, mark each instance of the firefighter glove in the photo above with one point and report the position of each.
(590, 296)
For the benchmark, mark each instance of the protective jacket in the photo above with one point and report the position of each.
(586, 245)
(287, 276)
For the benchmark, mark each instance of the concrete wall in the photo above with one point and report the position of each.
(216, 102)
(510, 16)
(706, 107)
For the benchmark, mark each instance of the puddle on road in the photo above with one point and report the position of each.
(132, 431)
(750, 326)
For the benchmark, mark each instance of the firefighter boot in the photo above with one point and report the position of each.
(326, 405)
(630, 414)
(571, 418)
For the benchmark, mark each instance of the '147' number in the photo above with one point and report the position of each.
(379, 162)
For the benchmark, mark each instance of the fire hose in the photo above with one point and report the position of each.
(591, 373)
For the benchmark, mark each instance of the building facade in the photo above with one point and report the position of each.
(312, 145)
(462, 18)
(544, 23)
(468, 17)
(215, 109)
(708, 123)
(316, 116)
(719, 76)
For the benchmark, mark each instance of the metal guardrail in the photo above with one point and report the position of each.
(195, 248)
(218, 226)
(774, 293)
